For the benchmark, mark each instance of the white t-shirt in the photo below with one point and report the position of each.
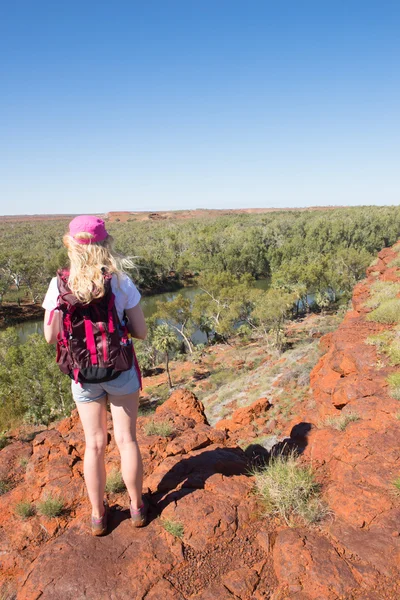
(126, 293)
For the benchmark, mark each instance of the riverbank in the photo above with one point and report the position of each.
(13, 314)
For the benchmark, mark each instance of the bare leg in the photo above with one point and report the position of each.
(124, 413)
(94, 421)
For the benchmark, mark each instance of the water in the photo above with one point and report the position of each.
(149, 306)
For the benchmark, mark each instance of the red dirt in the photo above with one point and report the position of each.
(199, 477)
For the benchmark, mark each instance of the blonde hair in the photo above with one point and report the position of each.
(88, 264)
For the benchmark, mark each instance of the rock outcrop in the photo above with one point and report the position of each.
(198, 478)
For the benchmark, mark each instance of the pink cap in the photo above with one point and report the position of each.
(88, 224)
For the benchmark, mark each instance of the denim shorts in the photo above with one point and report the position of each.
(126, 383)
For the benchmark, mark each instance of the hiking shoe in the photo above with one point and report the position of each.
(99, 525)
(139, 515)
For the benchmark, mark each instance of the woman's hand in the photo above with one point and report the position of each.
(51, 331)
(136, 323)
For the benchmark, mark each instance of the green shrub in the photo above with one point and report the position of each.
(161, 428)
(115, 483)
(4, 486)
(394, 352)
(221, 377)
(395, 262)
(387, 312)
(388, 343)
(24, 509)
(381, 340)
(32, 387)
(394, 383)
(174, 527)
(340, 422)
(147, 408)
(158, 392)
(381, 291)
(4, 441)
(50, 507)
(23, 462)
(289, 489)
(396, 484)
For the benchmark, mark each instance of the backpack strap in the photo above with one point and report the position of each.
(111, 325)
(51, 315)
(90, 341)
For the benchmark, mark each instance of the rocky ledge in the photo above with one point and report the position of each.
(199, 477)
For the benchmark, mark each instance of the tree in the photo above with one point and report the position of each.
(177, 314)
(224, 301)
(270, 310)
(5, 284)
(32, 386)
(165, 341)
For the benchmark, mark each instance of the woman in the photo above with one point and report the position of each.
(91, 261)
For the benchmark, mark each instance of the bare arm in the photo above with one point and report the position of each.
(136, 323)
(51, 331)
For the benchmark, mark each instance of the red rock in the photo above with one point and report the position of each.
(206, 518)
(304, 558)
(376, 546)
(214, 592)
(200, 481)
(183, 402)
(246, 415)
(163, 590)
(77, 565)
(241, 582)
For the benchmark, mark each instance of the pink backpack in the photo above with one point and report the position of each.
(93, 345)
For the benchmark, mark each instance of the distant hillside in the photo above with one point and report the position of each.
(170, 214)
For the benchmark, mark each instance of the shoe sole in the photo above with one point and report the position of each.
(139, 523)
(99, 533)
(143, 521)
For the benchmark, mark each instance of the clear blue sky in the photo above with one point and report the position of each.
(172, 104)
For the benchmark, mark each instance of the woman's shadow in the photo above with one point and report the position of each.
(190, 474)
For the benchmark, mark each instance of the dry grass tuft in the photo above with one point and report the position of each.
(289, 489)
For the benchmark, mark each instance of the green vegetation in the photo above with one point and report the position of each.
(158, 392)
(306, 249)
(289, 489)
(50, 507)
(114, 483)
(312, 260)
(176, 528)
(387, 312)
(165, 341)
(147, 409)
(161, 428)
(340, 422)
(4, 441)
(387, 343)
(395, 262)
(394, 383)
(24, 509)
(396, 484)
(382, 291)
(4, 486)
(23, 462)
(32, 387)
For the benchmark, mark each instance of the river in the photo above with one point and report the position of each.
(149, 305)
